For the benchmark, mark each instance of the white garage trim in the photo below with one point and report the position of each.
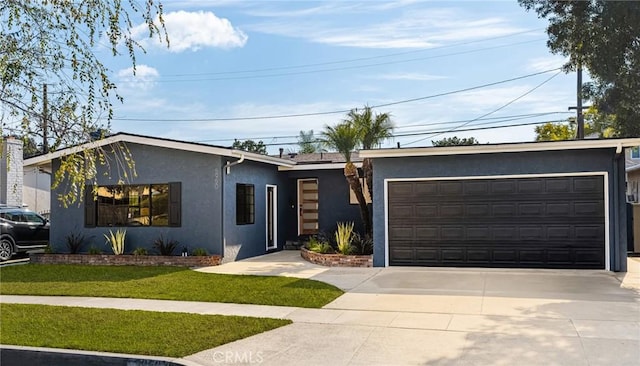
(605, 175)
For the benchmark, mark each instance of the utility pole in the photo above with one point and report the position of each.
(45, 120)
(579, 107)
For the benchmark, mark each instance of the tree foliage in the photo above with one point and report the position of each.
(50, 71)
(603, 37)
(455, 141)
(555, 132)
(307, 143)
(596, 125)
(250, 146)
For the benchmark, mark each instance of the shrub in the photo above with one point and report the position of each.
(94, 250)
(48, 249)
(75, 241)
(200, 252)
(362, 245)
(319, 246)
(165, 246)
(116, 240)
(343, 237)
(140, 251)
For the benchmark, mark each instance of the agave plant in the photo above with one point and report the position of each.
(116, 240)
(343, 237)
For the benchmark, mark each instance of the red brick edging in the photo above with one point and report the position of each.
(337, 260)
(126, 260)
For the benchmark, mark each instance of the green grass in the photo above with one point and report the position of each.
(124, 331)
(165, 283)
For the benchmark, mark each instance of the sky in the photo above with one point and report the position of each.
(266, 70)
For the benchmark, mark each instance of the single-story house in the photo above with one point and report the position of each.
(526, 205)
(633, 174)
(230, 202)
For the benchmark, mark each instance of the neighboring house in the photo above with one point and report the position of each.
(229, 202)
(36, 190)
(633, 174)
(525, 205)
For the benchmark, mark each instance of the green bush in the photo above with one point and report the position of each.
(199, 252)
(362, 245)
(319, 246)
(140, 251)
(94, 250)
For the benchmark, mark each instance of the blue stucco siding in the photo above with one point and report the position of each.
(499, 164)
(249, 240)
(201, 224)
(333, 205)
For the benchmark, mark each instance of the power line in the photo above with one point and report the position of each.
(495, 110)
(335, 111)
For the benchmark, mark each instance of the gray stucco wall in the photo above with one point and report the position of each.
(333, 206)
(200, 175)
(568, 161)
(244, 241)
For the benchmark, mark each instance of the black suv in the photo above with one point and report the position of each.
(21, 230)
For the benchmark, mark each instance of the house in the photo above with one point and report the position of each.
(632, 156)
(525, 205)
(229, 202)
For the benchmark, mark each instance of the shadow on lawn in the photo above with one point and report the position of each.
(80, 273)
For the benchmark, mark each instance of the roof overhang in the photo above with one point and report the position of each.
(617, 144)
(324, 166)
(157, 142)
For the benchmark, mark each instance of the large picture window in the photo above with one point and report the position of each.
(245, 204)
(134, 205)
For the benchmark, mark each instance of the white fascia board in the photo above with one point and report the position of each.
(143, 140)
(500, 148)
(328, 166)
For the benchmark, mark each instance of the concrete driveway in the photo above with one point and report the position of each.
(419, 316)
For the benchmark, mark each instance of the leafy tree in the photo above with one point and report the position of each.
(555, 132)
(308, 143)
(373, 129)
(250, 146)
(50, 72)
(344, 138)
(455, 141)
(604, 37)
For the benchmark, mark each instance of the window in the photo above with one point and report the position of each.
(245, 204)
(134, 205)
(635, 152)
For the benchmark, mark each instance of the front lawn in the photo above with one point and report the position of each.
(164, 283)
(124, 331)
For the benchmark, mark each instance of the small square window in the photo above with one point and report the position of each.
(245, 204)
(635, 152)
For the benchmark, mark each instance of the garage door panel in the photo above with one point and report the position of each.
(545, 222)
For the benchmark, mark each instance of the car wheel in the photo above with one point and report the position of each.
(6, 249)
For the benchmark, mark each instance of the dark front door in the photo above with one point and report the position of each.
(541, 222)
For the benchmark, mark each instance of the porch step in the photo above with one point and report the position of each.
(292, 245)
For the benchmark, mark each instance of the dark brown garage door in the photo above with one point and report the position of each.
(546, 222)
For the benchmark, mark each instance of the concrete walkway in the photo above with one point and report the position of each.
(416, 316)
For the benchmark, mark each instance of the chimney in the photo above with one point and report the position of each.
(281, 152)
(11, 171)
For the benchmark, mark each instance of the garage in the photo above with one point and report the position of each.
(525, 222)
(552, 204)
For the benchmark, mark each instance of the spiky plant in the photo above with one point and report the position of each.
(343, 237)
(116, 241)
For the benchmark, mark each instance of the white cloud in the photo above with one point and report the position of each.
(194, 31)
(144, 78)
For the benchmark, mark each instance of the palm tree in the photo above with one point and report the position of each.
(344, 138)
(372, 129)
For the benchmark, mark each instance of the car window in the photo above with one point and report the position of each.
(31, 217)
(11, 216)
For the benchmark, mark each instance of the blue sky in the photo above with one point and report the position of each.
(230, 60)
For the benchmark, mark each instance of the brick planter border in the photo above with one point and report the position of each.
(336, 260)
(126, 260)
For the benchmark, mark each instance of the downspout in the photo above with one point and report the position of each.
(229, 165)
(620, 232)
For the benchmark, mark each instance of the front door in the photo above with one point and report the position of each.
(272, 217)
(307, 206)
